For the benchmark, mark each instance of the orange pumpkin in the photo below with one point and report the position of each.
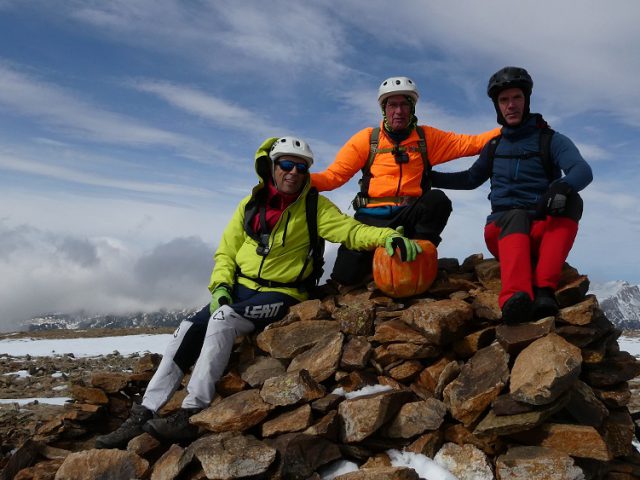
(405, 279)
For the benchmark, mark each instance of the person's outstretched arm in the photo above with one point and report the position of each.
(468, 179)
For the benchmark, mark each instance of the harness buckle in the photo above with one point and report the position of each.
(360, 201)
(263, 248)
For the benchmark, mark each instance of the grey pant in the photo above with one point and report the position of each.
(223, 327)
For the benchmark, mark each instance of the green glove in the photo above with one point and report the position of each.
(408, 248)
(221, 296)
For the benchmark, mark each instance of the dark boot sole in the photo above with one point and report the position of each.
(517, 309)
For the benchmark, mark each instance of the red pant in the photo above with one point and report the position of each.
(530, 258)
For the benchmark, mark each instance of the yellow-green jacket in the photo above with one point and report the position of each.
(289, 239)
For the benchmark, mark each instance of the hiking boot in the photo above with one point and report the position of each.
(517, 309)
(174, 427)
(130, 428)
(544, 303)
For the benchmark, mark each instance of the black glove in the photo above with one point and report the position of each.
(554, 200)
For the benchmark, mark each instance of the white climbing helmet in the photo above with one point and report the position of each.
(291, 146)
(397, 86)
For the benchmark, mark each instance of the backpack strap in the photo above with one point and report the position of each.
(491, 153)
(362, 197)
(315, 255)
(366, 169)
(316, 243)
(425, 183)
(544, 152)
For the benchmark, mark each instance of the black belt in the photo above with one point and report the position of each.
(272, 283)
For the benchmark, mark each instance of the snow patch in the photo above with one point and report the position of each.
(362, 392)
(49, 401)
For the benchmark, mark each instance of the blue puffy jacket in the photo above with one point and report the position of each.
(517, 182)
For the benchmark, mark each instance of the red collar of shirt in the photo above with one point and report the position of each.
(276, 203)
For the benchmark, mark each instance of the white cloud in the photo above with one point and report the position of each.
(582, 56)
(216, 110)
(223, 36)
(58, 108)
(591, 152)
(44, 272)
(23, 165)
(111, 173)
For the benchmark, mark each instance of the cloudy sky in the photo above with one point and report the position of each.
(128, 127)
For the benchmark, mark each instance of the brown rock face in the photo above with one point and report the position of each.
(291, 388)
(398, 331)
(321, 360)
(466, 347)
(362, 416)
(549, 399)
(526, 463)
(288, 422)
(585, 407)
(309, 310)
(464, 461)
(417, 417)
(301, 454)
(581, 314)
(356, 319)
(576, 440)
(170, 464)
(92, 464)
(518, 422)
(293, 339)
(236, 413)
(440, 322)
(381, 473)
(219, 455)
(514, 338)
(355, 354)
(616, 368)
(544, 370)
(110, 382)
(261, 369)
(95, 396)
(485, 305)
(480, 381)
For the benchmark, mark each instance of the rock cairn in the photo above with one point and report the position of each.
(545, 400)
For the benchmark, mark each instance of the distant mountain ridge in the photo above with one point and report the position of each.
(620, 301)
(84, 320)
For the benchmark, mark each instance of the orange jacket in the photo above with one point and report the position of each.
(388, 178)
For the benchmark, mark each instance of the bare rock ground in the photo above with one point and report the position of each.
(51, 377)
(462, 388)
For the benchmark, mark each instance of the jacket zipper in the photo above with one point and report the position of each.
(399, 180)
(286, 226)
(284, 236)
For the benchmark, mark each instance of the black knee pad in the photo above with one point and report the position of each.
(190, 347)
(514, 221)
(351, 267)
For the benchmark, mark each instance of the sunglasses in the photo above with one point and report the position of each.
(287, 166)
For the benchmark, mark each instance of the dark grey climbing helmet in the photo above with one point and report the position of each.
(509, 77)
